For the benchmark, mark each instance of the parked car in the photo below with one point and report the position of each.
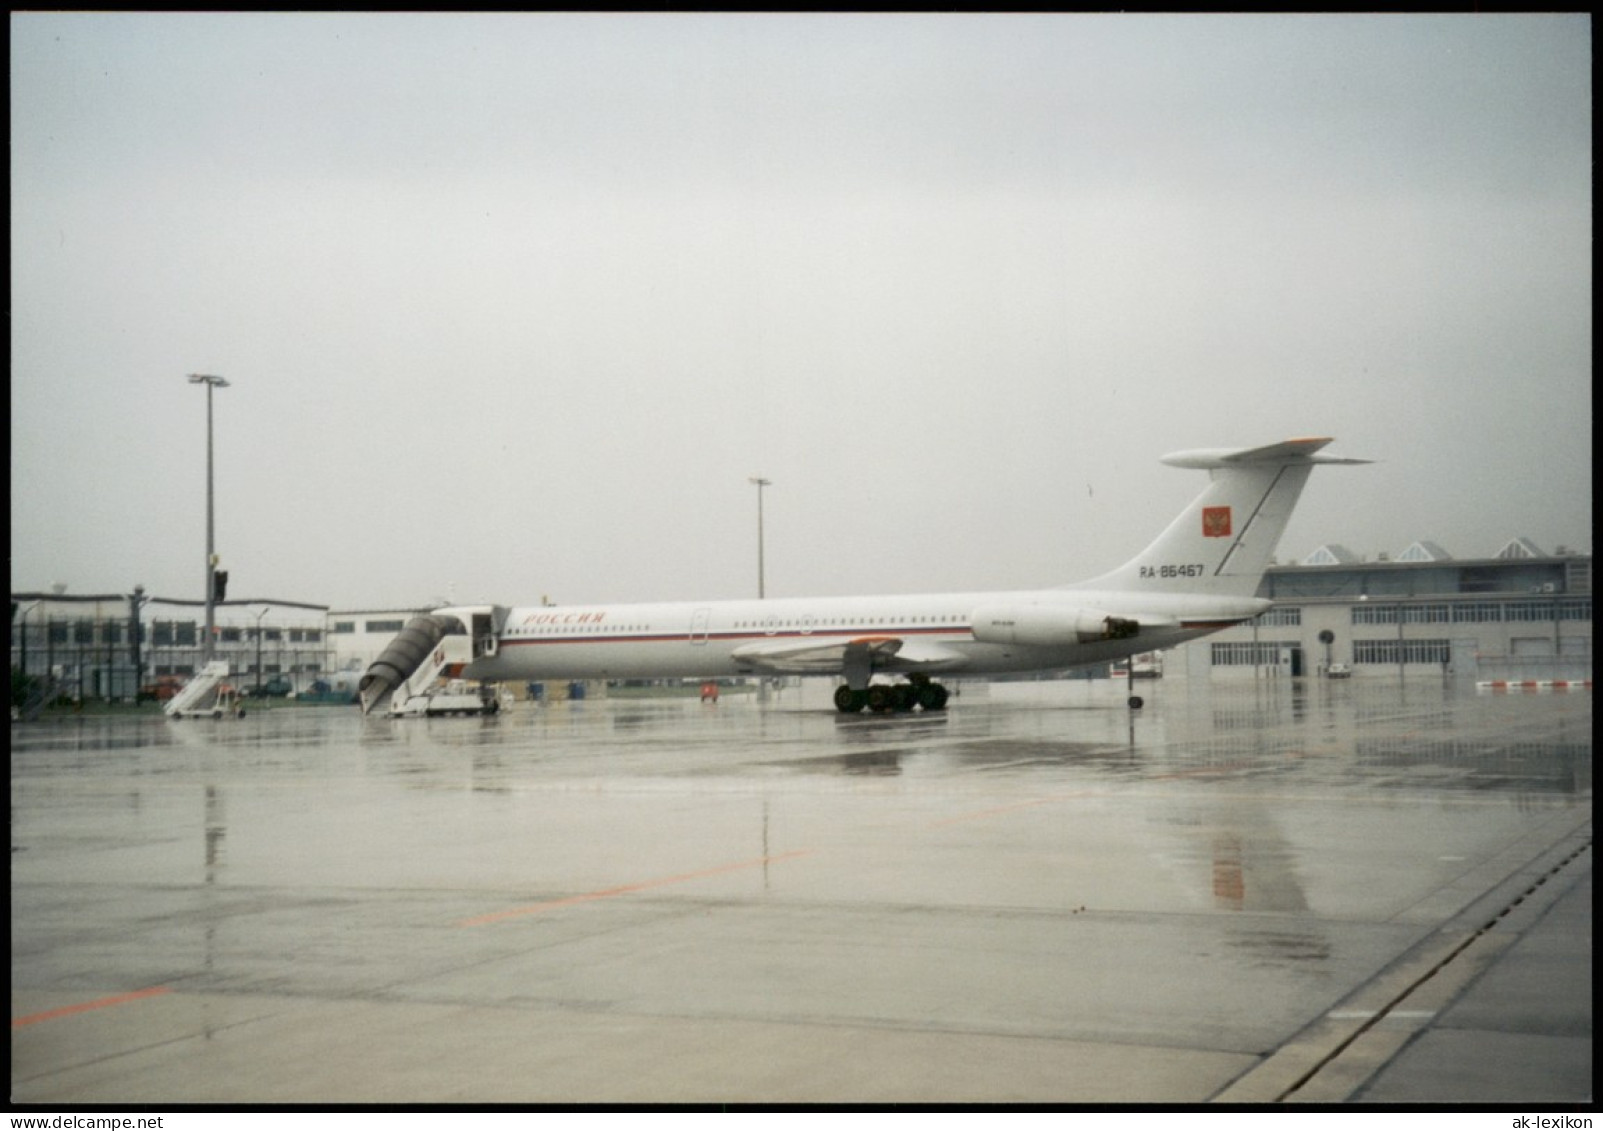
(161, 689)
(272, 689)
(1339, 671)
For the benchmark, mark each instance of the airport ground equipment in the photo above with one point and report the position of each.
(421, 669)
(427, 648)
(226, 701)
(204, 695)
(448, 697)
(44, 691)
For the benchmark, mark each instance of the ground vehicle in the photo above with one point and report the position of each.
(340, 687)
(1339, 671)
(272, 689)
(227, 701)
(452, 697)
(161, 689)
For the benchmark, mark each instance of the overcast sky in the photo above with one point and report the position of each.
(514, 305)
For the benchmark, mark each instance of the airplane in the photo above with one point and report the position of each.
(1197, 577)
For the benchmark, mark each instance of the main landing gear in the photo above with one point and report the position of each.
(918, 691)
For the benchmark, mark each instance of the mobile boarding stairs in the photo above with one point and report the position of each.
(206, 695)
(421, 669)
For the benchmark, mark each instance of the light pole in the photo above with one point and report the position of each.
(759, 482)
(135, 641)
(22, 620)
(211, 381)
(265, 610)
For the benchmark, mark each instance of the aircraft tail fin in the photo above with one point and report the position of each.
(1221, 544)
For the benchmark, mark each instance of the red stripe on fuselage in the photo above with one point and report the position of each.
(852, 635)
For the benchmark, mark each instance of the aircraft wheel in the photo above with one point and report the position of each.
(217, 714)
(932, 697)
(902, 697)
(1136, 702)
(880, 699)
(847, 701)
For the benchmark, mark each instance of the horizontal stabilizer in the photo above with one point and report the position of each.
(1287, 451)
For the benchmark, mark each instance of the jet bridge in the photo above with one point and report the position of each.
(426, 647)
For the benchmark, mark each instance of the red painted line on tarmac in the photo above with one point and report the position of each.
(997, 812)
(85, 1007)
(1200, 771)
(627, 889)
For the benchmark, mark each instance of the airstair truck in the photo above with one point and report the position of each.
(436, 689)
(206, 695)
(420, 672)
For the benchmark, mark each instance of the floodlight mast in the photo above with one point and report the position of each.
(211, 381)
(759, 482)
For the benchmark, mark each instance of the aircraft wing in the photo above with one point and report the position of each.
(823, 657)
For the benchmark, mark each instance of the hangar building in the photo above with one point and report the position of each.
(1519, 614)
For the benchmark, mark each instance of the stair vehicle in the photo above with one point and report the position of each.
(207, 696)
(449, 697)
(421, 671)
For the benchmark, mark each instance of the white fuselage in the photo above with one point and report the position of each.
(1201, 574)
(701, 639)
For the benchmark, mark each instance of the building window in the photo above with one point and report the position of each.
(185, 632)
(344, 626)
(1474, 612)
(1286, 616)
(1375, 614)
(1413, 651)
(385, 626)
(1234, 653)
(1480, 580)
(1575, 610)
(1530, 611)
(83, 632)
(111, 632)
(1427, 614)
(231, 635)
(314, 635)
(1375, 651)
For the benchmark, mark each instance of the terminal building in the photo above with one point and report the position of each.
(1521, 613)
(87, 643)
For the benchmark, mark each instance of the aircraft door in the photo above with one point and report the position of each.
(484, 640)
(698, 626)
